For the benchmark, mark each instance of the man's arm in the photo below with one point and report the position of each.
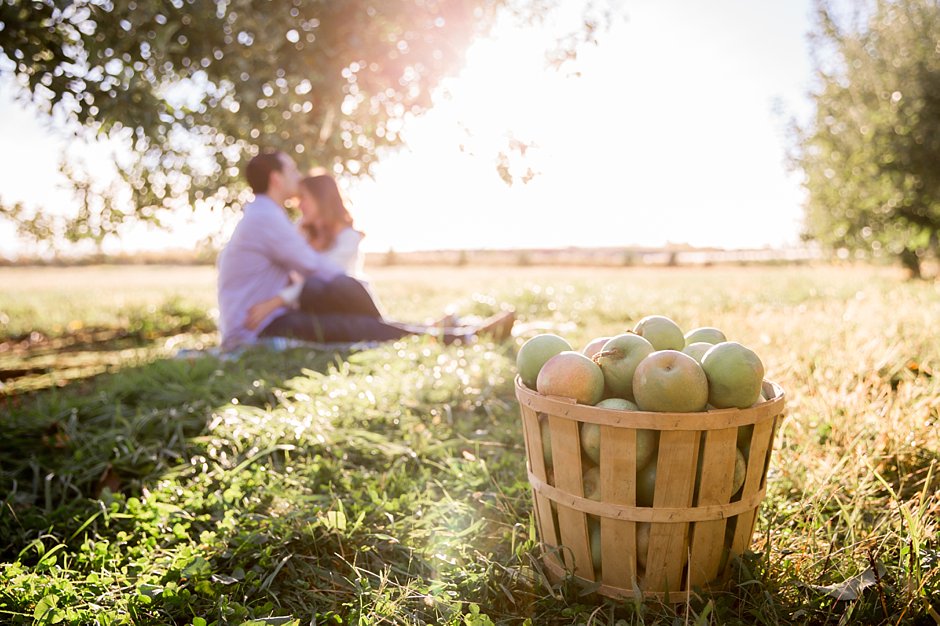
(345, 250)
(289, 249)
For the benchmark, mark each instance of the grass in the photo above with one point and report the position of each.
(388, 485)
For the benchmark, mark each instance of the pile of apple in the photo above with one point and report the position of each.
(654, 367)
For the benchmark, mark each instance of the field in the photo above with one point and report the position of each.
(388, 485)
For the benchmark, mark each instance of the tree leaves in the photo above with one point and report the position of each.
(869, 154)
(192, 89)
(188, 91)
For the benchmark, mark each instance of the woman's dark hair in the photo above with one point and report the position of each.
(332, 207)
(259, 168)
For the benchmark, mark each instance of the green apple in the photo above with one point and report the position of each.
(594, 346)
(660, 331)
(646, 484)
(745, 433)
(546, 441)
(618, 404)
(571, 375)
(534, 353)
(642, 543)
(706, 334)
(592, 483)
(735, 375)
(697, 350)
(618, 360)
(646, 443)
(670, 381)
(591, 440)
(740, 471)
(594, 531)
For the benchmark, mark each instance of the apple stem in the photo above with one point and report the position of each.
(617, 353)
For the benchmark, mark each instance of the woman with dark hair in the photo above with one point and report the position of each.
(327, 223)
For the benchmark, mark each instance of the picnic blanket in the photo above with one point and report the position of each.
(276, 344)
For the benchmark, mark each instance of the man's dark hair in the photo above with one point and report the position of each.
(259, 168)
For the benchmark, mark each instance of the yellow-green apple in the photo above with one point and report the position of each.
(660, 331)
(571, 375)
(707, 334)
(546, 441)
(740, 471)
(670, 381)
(760, 399)
(594, 531)
(642, 543)
(592, 483)
(735, 374)
(619, 404)
(646, 484)
(594, 346)
(697, 350)
(533, 354)
(745, 433)
(591, 440)
(646, 443)
(618, 360)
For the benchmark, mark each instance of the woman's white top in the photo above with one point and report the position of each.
(344, 252)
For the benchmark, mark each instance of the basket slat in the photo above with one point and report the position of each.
(532, 424)
(618, 537)
(770, 449)
(533, 439)
(675, 480)
(714, 488)
(760, 446)
(566, 457)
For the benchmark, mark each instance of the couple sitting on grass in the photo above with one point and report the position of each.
(280, 280)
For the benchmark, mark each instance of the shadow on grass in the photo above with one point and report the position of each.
(119, 431)
(37, 360)
(127, 479)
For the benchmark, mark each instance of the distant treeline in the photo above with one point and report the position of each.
(520, 257)
(608, 257)
(162, 257)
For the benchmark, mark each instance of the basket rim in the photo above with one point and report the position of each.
(702, 420)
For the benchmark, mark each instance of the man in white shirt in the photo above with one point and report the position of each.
(264, 249)
(256, 266)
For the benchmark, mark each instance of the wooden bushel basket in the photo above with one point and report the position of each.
(695, 524)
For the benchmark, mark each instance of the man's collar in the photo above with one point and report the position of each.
(264, 200)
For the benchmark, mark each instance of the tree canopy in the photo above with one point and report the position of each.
(192, 88)
(870, 154)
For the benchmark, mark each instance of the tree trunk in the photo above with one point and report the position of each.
(934, 247)
(911, 263)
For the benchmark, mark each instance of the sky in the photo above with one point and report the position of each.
(671, 130)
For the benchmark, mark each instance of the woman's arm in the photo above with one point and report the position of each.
(285, 245)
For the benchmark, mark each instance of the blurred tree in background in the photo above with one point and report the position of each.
(192, 88)
(871, 153)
